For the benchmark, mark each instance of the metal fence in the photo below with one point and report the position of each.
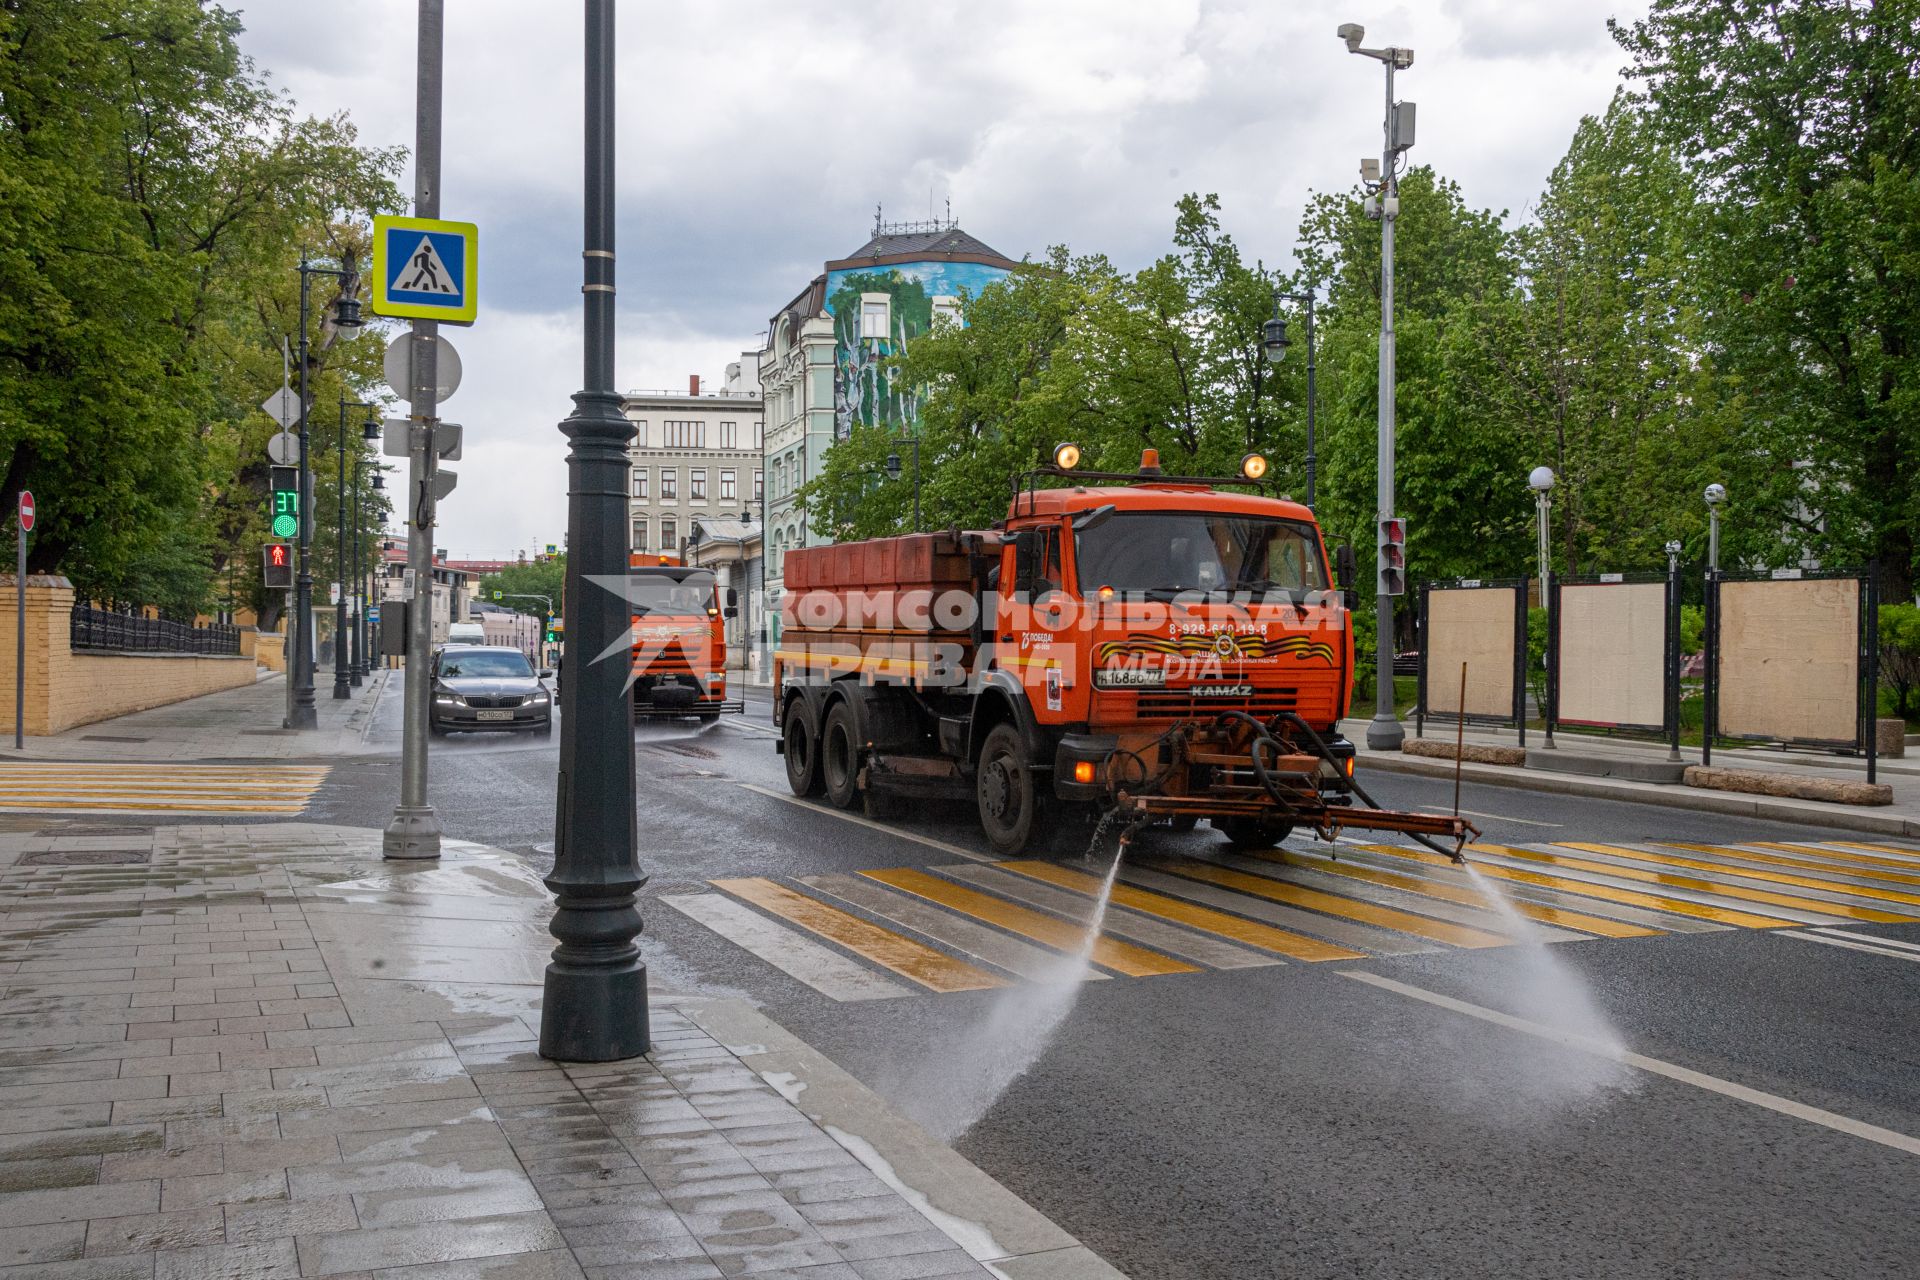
(98, 630)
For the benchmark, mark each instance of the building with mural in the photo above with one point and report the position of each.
(824, 369)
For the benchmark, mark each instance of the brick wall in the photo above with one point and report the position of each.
(65, 689)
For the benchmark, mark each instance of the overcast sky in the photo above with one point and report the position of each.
(755, 139)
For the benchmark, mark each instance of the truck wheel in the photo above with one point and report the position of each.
(802, 751)
(840, 756)
(1009, 794)
(1252, 833)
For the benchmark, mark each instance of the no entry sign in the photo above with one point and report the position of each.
(26, 510)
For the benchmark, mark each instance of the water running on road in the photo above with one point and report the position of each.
(951, 1091)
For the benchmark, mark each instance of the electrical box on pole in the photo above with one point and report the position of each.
(1401, 127)
(1393, 558)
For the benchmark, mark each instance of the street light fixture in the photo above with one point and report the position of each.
(1384, 732)
(893, 473)
(1715, 495)
(1275, 343)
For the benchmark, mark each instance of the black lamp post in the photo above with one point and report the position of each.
(301, 714)
(893, 473)
(1275, 343)
(376, 577)
(595, 1005)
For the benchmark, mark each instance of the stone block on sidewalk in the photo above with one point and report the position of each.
(1892, 732)
(1788, 785)
(1472, 752)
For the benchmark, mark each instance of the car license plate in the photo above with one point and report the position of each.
(493, 715)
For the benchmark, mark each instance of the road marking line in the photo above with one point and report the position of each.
(828, 972)
(1465, 896)
(1036, 964)
(1808, 877)
(1888, 952)
(1652, 1066)
(1363, 938)
(859, 821)
(1868, 937)
(1111, 953)
(1330, 904)
(1591, 889)
(935, 970)
(1822, 870)
(1496, 817)
(1821, 906)
(1863, 864)
(1477, 913)
(1155, 934)
(1610, 871)
(1906, 853)
(1205, 919)
(99, 806)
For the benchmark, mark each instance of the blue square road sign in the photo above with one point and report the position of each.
(425, 269)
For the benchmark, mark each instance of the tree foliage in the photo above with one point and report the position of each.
(154, 196)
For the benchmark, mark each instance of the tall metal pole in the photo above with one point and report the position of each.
(916, 480)
(301, 713)
(1543, 503)
(414, 829)
(595, 1007)
(1384, 732)
(358, 666)
(341, 688)
(20, 636)
(1313, 459)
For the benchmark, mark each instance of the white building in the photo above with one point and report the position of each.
(696, 454)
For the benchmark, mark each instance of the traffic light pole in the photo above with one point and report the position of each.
(414, 830)
(595, 1005)
(342, 663)
(1385, 732)
(300, 711)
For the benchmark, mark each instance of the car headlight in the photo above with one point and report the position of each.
(449, 700)
(540, 694)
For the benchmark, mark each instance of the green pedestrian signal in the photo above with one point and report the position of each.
(285, 511)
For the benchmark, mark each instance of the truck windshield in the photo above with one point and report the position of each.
(1178, 551)
(670, 591)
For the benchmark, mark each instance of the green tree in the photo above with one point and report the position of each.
(1799, 121)
(535, 577)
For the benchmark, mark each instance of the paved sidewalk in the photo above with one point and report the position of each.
(1902, 775)
(260, 1052)
(242, 723)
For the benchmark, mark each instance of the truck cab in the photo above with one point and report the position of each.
(679, 639)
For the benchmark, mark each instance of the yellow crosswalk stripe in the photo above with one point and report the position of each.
(1907, 855)
(1587, 889)
(1205, 919)
(913, 960)
(1467, 897)
(1110, 953)
(1333, 905)
(1827, 854)
(52, 786)
(1820, 866)
(1717, 887)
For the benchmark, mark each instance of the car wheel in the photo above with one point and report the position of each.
(436, 730)
(840, 756)
(801, 750)
(1008, 794)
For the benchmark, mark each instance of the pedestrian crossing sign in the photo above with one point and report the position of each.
(425, 269)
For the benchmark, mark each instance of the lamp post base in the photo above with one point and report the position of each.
(1385, 733)
(340, 689)
(594, 1014)
(354, 679)
(412, 833)
(303, 717)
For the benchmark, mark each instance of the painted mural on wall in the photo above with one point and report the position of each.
(863, 388)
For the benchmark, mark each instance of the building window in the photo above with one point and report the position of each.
(669, 484)
(640, 433)
(669, 535)
(874, 318)
(946, 307)
(728, 485)
(685, 435)
(640, 535)
(729, 435)
(697, 485)
(759, 434)
(759, 485)
(640, 481)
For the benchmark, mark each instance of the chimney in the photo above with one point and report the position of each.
(693, 384)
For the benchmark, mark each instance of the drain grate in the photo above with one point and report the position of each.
(78, 829)
(86, 857)
(687, 749)
(111, 737)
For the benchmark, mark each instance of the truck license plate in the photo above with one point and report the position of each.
(493, 715)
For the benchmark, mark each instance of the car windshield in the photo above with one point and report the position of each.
(1177, 551)
(484, 662)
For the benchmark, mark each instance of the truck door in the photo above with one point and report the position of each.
(1037, 599)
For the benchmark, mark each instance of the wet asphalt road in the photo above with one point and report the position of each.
(1289, 1121)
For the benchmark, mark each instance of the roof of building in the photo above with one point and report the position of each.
(939, 241)
(727, 530)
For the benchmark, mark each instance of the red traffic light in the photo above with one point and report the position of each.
(277, 555)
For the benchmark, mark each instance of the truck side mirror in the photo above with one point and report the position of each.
(733, 599)
(731, 611)
(1346, 566)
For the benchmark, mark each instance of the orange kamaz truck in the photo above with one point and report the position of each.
(679, 639)
(1126, 647)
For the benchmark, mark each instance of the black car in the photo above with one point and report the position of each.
(483, 687)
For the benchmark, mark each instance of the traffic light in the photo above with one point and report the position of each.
(1393, 558)
(276, 560)
(286, 502)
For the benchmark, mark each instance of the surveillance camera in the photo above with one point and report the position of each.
(1716, 494)
(1353, 33)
